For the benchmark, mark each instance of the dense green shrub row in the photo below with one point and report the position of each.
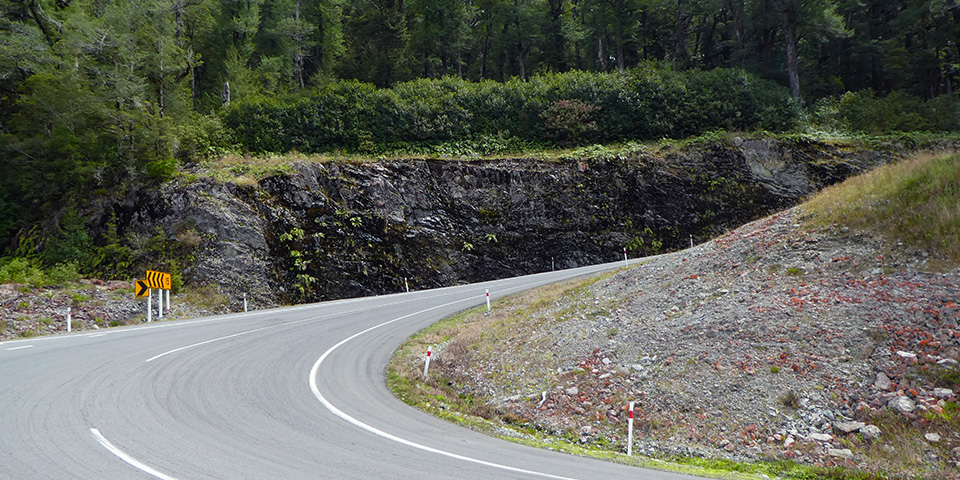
(647, 102)
(865, 112)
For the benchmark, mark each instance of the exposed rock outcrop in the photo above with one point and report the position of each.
(333, 230)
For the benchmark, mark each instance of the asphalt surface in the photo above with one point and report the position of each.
(290, 393)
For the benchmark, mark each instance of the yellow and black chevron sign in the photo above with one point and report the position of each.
(157, 279)
(140, 288)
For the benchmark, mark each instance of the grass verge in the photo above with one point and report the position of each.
(915, 201)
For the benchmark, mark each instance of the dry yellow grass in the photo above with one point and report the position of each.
(915, 201)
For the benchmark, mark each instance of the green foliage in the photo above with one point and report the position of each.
(63, 273)
(70, 243)
(21, 270)
(647, 102)
(571, 121)
(304, 280)
(864, 111)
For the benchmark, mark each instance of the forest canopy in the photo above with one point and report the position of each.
(98, 97)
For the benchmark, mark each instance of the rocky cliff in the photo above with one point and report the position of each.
(342, 229)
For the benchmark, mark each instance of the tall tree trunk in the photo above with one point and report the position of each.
(738, 8)
(680, 32)
(789, 11)
(618, 33)
(559, 59)
(521, 52)
(600, 55)
(484, 52)
(298, 52)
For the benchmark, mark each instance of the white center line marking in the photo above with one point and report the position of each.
(127, 458)
(175, 350)
(340, 413)
(20, 348)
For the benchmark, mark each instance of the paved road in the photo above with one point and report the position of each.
(291, 393)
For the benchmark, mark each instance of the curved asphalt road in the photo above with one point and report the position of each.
(291, 393)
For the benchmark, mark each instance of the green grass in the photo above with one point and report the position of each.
(915, 201)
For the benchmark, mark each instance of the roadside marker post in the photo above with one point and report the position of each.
(168, 301)
(160, 305)
(691, 241)
(625, 261)
(553, 266)
(630, 432)
(488, 300)
(244, 301)
(406, 284)
(149, 305)
(426, 364)
(68, 320)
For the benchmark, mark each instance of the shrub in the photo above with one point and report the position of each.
(571, 121)
(21, 270)
(864, 111)
(647, 102)
(63, 273)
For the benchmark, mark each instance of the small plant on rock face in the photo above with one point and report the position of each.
(305, 281)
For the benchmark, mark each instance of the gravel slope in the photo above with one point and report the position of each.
(775, 341)
(27, 311)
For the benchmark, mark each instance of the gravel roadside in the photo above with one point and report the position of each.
(775, 341)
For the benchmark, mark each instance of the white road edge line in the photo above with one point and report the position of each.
(127, 458)
(19, 348)
(336, 411)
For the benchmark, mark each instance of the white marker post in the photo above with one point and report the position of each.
(68, 320)
(406, 284)
(691, 241)
(244, 301)
(426, 364)
(553, 266)
(488, 300)
(630, 432)
(168, 301)
(625, 261)
(160, 304)
(149, 305)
